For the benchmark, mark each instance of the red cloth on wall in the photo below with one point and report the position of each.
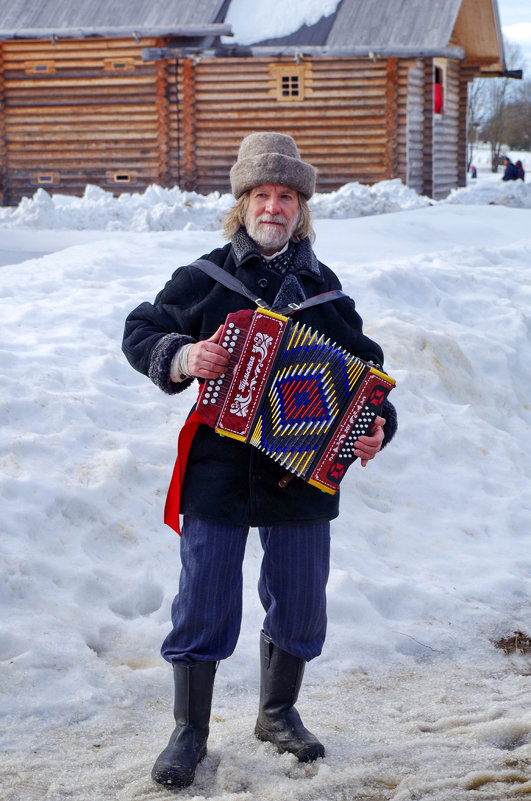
(437, 98)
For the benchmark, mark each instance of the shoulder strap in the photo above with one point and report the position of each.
(332, 294)
(228, 280)
(236, 285)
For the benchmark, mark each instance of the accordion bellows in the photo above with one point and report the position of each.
(293, 394)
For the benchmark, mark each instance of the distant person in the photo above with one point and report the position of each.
(521, 172)
(511, 171)
(473, 171)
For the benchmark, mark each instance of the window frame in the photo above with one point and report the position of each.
(286, 74)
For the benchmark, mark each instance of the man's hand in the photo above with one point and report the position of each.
(367, 446)
(207, 359)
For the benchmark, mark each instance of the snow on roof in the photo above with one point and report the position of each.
(272, 19)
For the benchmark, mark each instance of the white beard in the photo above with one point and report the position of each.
(270, 238)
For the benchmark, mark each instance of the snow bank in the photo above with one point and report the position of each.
(160, 209)
(430, 558)
(156, 209)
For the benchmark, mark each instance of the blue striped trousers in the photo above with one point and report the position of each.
(206, 613)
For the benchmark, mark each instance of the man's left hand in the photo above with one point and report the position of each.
(367, 446)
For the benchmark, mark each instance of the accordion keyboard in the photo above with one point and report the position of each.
(214, 391)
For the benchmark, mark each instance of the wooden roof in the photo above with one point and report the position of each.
(471, 24)
(385, 26)
(382, 27)
(408, 23)
(28, 18)
(483, 41)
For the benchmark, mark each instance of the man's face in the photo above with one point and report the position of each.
(272, 216)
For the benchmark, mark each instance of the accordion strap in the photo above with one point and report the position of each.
(235, 284)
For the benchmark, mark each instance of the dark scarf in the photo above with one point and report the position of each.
(298, 258)
(281, 263)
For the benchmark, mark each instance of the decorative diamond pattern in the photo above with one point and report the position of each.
(301, 399)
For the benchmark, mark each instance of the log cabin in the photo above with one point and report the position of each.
(124, 95)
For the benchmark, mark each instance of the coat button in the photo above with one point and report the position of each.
(256, 478)
(262, 283)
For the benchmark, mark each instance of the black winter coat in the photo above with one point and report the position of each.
(511, 172)
(227, 481)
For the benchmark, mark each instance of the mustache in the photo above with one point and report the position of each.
(272, 218)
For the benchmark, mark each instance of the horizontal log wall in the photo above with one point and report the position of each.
(100, 115)
(3, 160)
(340, 126)
(427, 128)
(96, 113)
(413, 169)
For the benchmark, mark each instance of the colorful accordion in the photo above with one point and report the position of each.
(294, 395)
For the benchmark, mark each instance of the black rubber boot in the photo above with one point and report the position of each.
(278, 720)
(194, 684)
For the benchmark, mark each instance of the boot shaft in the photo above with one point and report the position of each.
(194, 685)
(281, 676)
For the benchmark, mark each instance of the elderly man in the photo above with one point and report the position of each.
(229, 486)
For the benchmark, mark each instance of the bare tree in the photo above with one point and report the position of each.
(476, 114)
(491, 99)
(518, 125)
(495, 129)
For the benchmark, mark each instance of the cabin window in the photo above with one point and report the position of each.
(46, 179)
(290, 86)
(289, 82)
(122, 177)
(439, 80)
(118, 64)
(39, 67)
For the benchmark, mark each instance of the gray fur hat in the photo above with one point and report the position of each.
(271, 158)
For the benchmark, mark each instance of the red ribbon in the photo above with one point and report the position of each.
(173, 498)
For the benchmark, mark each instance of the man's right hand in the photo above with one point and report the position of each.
(207, 359)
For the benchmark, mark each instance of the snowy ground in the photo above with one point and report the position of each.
(431, 555)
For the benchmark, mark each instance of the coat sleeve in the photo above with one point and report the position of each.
(388, 412)
(154, 332)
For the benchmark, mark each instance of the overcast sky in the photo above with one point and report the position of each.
(515, 17)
